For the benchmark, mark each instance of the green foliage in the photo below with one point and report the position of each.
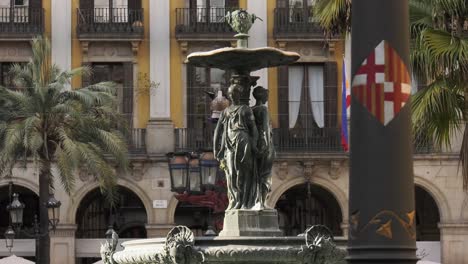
(42, 119)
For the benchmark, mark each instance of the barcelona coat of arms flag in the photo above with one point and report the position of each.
(382, 84)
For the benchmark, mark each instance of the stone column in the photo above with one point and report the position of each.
(62, 244)
(61, 33)
(454, 242)
(160, 129)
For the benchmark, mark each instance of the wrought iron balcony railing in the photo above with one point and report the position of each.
(110, 23)
(21, 22)
(296, 23)
(202, 23)
(305, 140)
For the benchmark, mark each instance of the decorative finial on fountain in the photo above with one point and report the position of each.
(241, 21)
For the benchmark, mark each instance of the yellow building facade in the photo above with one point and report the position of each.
(142, 46)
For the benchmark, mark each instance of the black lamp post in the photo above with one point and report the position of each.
(16, 209)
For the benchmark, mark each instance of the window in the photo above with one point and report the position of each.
(122, 75)
(300, 11)
(308, 107)
(306, 82)
(203, 84)
(212, 11)
(118, 8)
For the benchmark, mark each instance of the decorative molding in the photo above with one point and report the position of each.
(138, 170)
(331, 49)
(335, 168)
(283, 170)
(309, 169)
(85, 48)
(282, 45)
(135, 48)
(183, 47)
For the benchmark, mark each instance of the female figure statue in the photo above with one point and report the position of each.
(266, 151)
(235, 141)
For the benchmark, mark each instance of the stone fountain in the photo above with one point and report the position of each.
(243, 146)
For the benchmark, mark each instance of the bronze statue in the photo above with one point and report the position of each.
(235, 147)
(266, 151)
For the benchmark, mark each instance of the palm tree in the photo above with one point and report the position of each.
(439, 58)
(44, 121)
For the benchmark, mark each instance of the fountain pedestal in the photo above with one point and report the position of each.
(251, 223)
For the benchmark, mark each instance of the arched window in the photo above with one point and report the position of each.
(427, 216)
(306, 205)
(95, 214)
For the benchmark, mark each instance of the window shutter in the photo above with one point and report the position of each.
(127, 104)
(331, 91)
(134, 4)
(86, 4)
(35, 3)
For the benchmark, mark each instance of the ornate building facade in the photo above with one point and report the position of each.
(142, 46)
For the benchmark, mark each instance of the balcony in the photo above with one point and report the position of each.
(203, 24)
(285, 140)
(110, 24)
(21, 23)
(292, 23)
(303, 140)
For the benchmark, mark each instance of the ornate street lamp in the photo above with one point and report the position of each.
(9, 237)
(53, 210)
(209, 169)
(16, 209)
(178, 163)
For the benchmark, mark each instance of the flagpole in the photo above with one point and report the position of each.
(381, 189)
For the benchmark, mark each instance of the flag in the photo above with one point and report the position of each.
(382, 84)
(345, 102)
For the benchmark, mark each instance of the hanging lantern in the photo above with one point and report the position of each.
(53, 210)
(209, 168)
(9, 238)
(178, 163)
(16, 209)
(194, 174)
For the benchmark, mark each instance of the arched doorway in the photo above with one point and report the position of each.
(427, 216)
(31, 202)
(95, 214)
(305, 205)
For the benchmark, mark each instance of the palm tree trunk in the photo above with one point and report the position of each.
(43, 256)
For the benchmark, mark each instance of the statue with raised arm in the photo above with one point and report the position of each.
(235, 147)
(266, 151)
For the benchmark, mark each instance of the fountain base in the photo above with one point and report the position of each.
(251, 223)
